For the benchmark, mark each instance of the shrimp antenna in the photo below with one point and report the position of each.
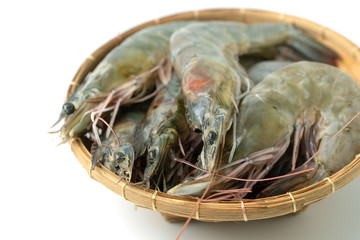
(213, 176)
(57, 131)
(240, 179)
(113, 132)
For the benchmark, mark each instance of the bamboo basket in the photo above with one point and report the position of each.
(176, 208)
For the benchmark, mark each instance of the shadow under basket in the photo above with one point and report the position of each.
(175, 208)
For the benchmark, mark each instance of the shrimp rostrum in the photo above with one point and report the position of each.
(302, 105)
(205, 55)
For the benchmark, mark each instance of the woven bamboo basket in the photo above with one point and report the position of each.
(175, 208)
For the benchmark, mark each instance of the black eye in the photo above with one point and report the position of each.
(197, 130)
(68, 108)
(212, 137)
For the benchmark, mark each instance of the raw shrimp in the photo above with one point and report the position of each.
(304, 103)
(128, 69)
(163, 126)
(117, 152)
(205, 55)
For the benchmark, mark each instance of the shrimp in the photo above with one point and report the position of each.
(128, 69)
(205, 55)
(305, 104)
(163, 126)
(117, 152)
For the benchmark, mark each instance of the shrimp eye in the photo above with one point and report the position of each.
(68, 108)
(197, 130)
(212, 137)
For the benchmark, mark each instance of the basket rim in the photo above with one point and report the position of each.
(230, 210)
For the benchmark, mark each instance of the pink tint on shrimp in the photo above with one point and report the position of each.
(197, 84)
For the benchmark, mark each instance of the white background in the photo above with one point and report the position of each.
(46, 193)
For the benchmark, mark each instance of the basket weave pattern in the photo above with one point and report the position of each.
(349, 62)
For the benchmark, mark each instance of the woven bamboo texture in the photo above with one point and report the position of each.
(182, 207)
